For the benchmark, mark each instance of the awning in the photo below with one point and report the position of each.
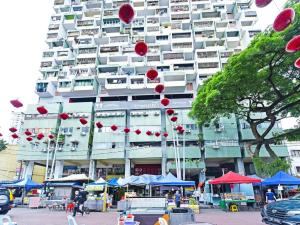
(28, 184)
(234, 178)
(171, 180)
(281, 178)
(63, 184)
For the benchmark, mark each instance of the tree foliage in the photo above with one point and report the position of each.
(271, 168)
(3, 145)
(260, 85)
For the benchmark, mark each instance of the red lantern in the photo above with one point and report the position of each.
(181, 131)
(141, 48)
(297, 63)
(83, 121)
(126, 13)
(14, 136)
(138, 131)
(262, 3)
(166, 134)
(40, 136)
(50, 136)
(174, 119)
(114, 127)
(64, 116)
(159, 88)
(126, 130)
(13, 129)
(170, 112)
(42, 110)
(165, 101)
(149, 133)
(284, 19)
(152, 74)
(29, 138)
(27, 133)
(99, 124)
(157, 134)
(16, 103)
(293, 45)
(179, 128)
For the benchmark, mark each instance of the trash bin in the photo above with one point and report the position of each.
(180, 216)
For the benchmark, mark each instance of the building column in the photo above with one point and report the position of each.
(127, 147)
(163, 144)
(28, 170)
(239, 166)
(59, 169)
(92, 169)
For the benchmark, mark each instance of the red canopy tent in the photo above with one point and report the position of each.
(234, 178)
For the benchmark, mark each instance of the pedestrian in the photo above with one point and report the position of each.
(177, 199)
(77, 203)
(270, 196)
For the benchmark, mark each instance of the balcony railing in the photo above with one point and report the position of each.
(87, 50)
(83, 61)
(207, 54)
(46, 64)
(170, 56)
(84, 23)
(92, 31)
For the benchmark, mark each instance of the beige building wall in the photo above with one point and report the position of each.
(9, 166)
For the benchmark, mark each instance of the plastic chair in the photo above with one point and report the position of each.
(71, 220)
(233, 208)
(6, 220)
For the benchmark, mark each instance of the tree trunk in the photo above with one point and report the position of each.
(257, 150)
(271, 152)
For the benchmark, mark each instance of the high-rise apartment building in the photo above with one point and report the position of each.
(91, 71)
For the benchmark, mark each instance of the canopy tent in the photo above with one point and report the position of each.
(234, 178)
(73, 177)
(64, 184)
(257, 177)
(28, 184)
(171, 180)
(281, 178)
(97, 185)
(5, 182)
(142, 180)
(115, 182)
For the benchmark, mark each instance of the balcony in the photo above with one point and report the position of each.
(46, 65)
(219, 151)
(152, 3)
(45, 89)
(86, 60)
(86, 86)
(203, 25)
(85, 23)
(90, 51)
(108, 50)
(153, 58)
(174, 81)
(195, 164)
(180, 8)
(105, 70)
(116, 83)
(208, 67)
(113, 22)
(173, 56)
(211, 15)
(53, 27)
(69, 21)
(137, 83)
(65, 87)
(118, 59)
(90, 31)
(92, 13)
(48, 54)
(109, 154)
(207, 56)
(110, 13)
(178, 1)
(184, 46)
(145, 152)
(181, 16)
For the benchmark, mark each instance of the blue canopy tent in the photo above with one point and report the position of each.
(142, 180)
(113, 182)
(6, 182)
(281, 178)
(171, 180)
(28, 184)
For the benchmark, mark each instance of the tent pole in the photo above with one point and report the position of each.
(54, 156)
(47, 162)
(178, 155)
(175, 152)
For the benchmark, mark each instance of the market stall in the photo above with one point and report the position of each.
(232, 201)
(97, 192)
(28, 193)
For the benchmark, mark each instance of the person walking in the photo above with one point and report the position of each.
(77, 203)
(177, 199)
(270, 196)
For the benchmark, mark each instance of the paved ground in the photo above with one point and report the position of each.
(45, 217)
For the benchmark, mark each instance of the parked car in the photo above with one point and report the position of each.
(5, 201)
(286, 212)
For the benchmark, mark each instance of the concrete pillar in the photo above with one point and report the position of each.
(127, 147)
(239, 166)
(59, 168)
(92, 169)
(28, 169)
(163, 144)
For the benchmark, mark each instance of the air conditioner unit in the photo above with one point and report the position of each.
(216, 146)
(188, 131)
(156, 114)
(145, 114)
(175, 113)
(60, 149)
(73, 148)
(83, 133)
(44, 150)
(69, 134)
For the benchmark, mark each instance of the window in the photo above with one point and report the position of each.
(295, 153)
(74, 144)
(298, 169)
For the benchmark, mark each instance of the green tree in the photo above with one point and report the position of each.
(3, 145)
(260, 85)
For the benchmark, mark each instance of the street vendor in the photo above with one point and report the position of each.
(270, 196)
(177, 199)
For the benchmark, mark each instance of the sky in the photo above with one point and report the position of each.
(24, 25)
